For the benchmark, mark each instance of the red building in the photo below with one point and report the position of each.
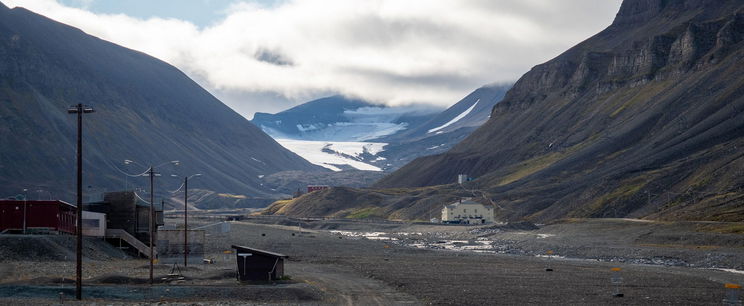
(37, 215)
(311, 188)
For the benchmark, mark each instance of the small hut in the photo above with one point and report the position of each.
(258, 265)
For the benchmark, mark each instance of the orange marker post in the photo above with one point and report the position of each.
(732, 295)
(548, 267)
(617, 282)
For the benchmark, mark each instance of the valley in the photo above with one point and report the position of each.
(334, 262)
(610, 173)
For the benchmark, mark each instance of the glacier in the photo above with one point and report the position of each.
(332, 154)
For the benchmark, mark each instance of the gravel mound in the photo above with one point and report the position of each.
(55, 248)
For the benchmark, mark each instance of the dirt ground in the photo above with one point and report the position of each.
(343, 262)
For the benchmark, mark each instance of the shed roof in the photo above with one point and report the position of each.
(258, 251)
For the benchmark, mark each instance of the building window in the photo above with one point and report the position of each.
(91, 223)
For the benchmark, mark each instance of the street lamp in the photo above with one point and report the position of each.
(151, 172)
(79, 109)
(185, 217)
(126, 176)
(25, 203)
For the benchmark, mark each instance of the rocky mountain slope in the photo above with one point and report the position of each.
(146, 111)
(445, 130)
(644, 119)
(469, 113)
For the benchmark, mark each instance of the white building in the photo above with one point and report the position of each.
(94, 224)
(467, 212)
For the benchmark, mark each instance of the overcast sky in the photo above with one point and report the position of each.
(269, 55)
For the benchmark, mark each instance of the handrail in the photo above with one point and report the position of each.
(136, 243)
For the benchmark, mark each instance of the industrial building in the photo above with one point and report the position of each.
(258, 265)
(122, 217)
(125, 211)
(128, 220)
(467, 212)
(37, 216)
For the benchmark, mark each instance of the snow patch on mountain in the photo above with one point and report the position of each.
(460, 116)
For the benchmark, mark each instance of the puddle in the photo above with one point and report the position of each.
(366, 235)
(550, 256)
(480, 245)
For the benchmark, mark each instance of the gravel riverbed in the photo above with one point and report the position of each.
(342, 262)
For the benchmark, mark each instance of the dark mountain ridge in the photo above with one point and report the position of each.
(146, 110)
(443, 131)
(644, 119)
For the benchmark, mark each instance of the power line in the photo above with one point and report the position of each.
(177, 190)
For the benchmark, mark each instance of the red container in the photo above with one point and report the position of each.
(45, 215)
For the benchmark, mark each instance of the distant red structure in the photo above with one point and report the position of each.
(311, 188)
(38, 215)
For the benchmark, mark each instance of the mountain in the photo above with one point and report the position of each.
(345, 134)
(340, 133)
(444, 130)
(338, 118)
(469, 113)
(146, 111)
(644, 119)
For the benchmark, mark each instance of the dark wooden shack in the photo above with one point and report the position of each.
(258, 265)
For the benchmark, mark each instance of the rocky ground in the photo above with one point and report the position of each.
(387, 263)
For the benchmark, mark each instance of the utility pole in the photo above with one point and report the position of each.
(185, 221)
(79, 109)
(152, 219)
(186, 218)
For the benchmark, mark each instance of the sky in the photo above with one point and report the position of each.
(269, 55)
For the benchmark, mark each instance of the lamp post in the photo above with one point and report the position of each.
(186, 218)
(25, 203)
(151, 172)
(126, 176)
(79, 109)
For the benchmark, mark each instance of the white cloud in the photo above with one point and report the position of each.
(388, 51)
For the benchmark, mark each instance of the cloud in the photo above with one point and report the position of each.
(387, 51)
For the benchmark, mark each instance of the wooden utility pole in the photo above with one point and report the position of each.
(185, 221)
(79, 109)
(152, 220)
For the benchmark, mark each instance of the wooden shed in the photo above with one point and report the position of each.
(258, 265)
